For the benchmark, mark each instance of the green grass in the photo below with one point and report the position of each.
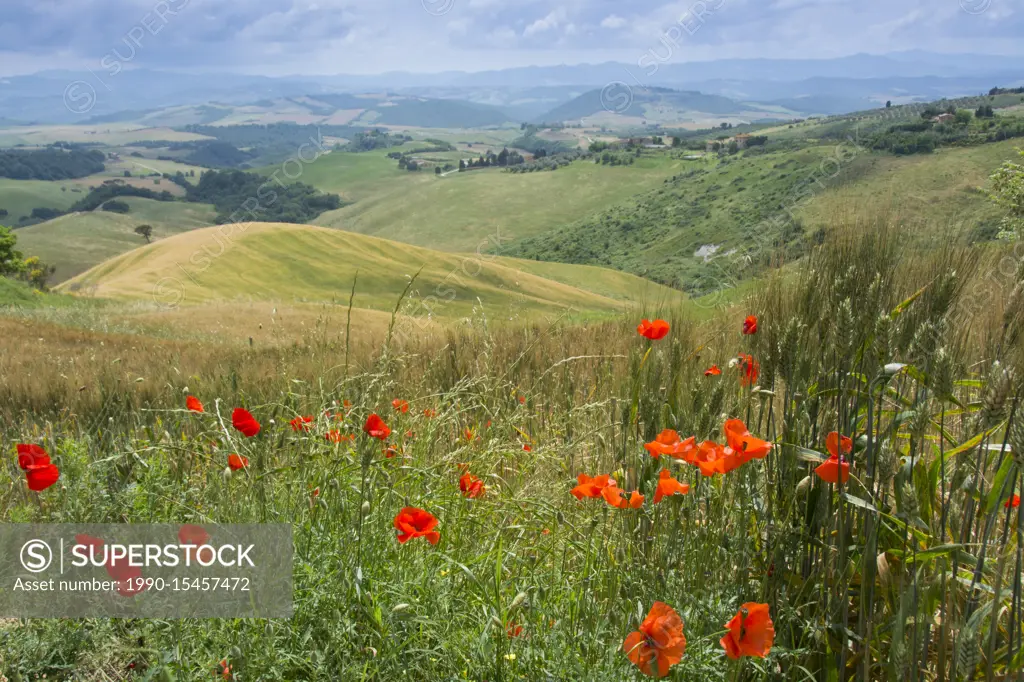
(462, 211)
(76, 242)
(296, 263)
(19, 197)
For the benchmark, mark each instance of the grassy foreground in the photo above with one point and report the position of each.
(910, 569)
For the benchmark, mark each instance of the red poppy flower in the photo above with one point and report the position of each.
(522, 400)
(741, 441)
(347, 404)
(636, 500)
(224, 670)
(527, 448)
(301, 423)
(713, 458)
(834, 470)
(336, 436)
(833, 441)
(89, 541)
(653, 330)
(31, 455)
(668, 486)
(244, 422)
(659, 643)
(612, 494)
(376, 428)
(750, 325)
(390, 452)
(193, 404)
(40, 473)
(751, 632)
(750, 370)
(471, 486)
(400, 405)
(1013, 502)
(416, 523)
(236, 462)
(669, 443)
(429, 413)
(712, 371)
(468, 434)
(591, 487)
(191, 534)
(513, 630)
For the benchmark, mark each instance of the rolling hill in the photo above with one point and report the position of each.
(619, 103)
(297, 264)
(78, 241)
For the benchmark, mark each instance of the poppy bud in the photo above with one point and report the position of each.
(560, 517)
(802, 486)
(268, 631)
(366, 508)
(227, 473)
(234, 653)
(399, 608)
(497, 622)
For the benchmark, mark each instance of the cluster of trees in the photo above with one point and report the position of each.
(232, 190)
(985, 111)
(550, 162)
(50, 163)
(13, 263)
(1005, 91)
(217, 154)
(502, 159)
(374, 139)
(924, 136)
(529, 142)
(615, 159)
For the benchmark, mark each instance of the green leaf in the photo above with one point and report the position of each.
(1007, 471)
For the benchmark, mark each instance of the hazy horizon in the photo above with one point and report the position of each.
(329, 37)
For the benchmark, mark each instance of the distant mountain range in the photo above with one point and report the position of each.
(825, 86)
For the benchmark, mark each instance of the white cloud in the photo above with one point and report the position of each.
(551, 21)
(613, 21)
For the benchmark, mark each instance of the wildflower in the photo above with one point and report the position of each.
(712, 371)
(836, 468)
(669, 443)
(833, 442)
(591, 487)
(750, 325)
(653, 330)
(236, 462)
(400, 405)
(468, 434)
(546, 531)
(713, 458)
(244, 422)
(750, 632)
(668, 486)
(636, 500)
(741, 441)
(471, 486)
(613, 495)
(376, 428)
(347, 404)
(513, 629)
(224, 670)
(1013, 502)
(191, 534)
(750, 370)
(193, 404)
(391, 451)
(522, 400)
(429, 413)
(336, 436)
(527, 448)
(415, 523)
(659, 643)
(301, 423)
(40, 473)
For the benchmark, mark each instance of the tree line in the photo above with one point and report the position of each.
(50, 163)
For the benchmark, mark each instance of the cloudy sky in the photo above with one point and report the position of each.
(279, 37)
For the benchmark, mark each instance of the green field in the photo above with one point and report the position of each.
(76, 242)
(297, 263)
(19, 197)
(112, 134)
(462, 211)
